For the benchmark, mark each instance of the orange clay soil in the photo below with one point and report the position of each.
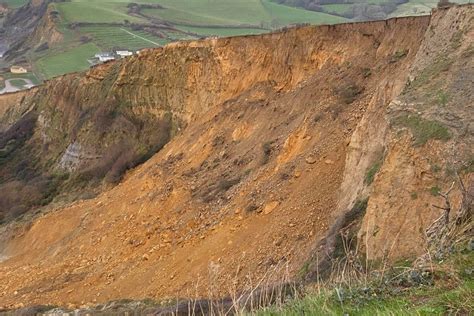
(252, 181)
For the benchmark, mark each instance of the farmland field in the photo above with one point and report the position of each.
(209, 31)
(95, 12)
(91, 26)
(71, 60)
(109, 37)
(256, 13)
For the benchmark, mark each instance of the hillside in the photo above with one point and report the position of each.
(258, 152)
(67, 34)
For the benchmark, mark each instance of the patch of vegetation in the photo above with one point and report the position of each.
(445, 290)
(266, 152)
(414, 195)
(19, 83)
(439, 66)
(399, 54)
(71, 60)
(346, 239)
(468, 167)
(442, 98)
(111, 37)
(435, 168)
(370, 174)
(366, 72)
(422, 129)
(13, 4)
(435, 190)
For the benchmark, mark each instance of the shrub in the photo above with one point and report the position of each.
(435, 190)
(366, 72)
(399, 54)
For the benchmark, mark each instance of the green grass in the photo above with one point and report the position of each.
(370, 175)
(422, 129)
(285, 15)
(19, 83)
(451, 292)
(95, 12)
(222, 32)
(198, 17)
(15, 3)
(339, 8)
(72, 60)
(433, 70)
(442, 98)
(31, 76)
(109, 37)
(258, 13)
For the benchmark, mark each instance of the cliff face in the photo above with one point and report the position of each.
(436, 103)
(262, 142)
(28, 27)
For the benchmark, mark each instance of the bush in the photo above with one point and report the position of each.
(399, 54)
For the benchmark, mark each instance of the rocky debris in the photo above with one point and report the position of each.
(221, 202)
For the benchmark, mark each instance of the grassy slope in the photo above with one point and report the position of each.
(451, 294)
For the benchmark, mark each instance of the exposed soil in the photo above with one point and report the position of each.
(274, 137)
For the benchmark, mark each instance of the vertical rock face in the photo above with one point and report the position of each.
(430, 140)
(262, 144)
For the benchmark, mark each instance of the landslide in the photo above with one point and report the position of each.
(270, 140)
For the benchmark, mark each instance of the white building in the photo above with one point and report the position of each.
(103, 57)
(124, 53)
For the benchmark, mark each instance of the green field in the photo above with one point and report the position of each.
(224, 32)
(252, 14)
(28, 75)
(71, 60)
(95, 12)
(15, 3)
(108, 38)
(108, 25)
(337, 8)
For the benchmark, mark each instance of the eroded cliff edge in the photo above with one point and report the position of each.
(269, 140)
